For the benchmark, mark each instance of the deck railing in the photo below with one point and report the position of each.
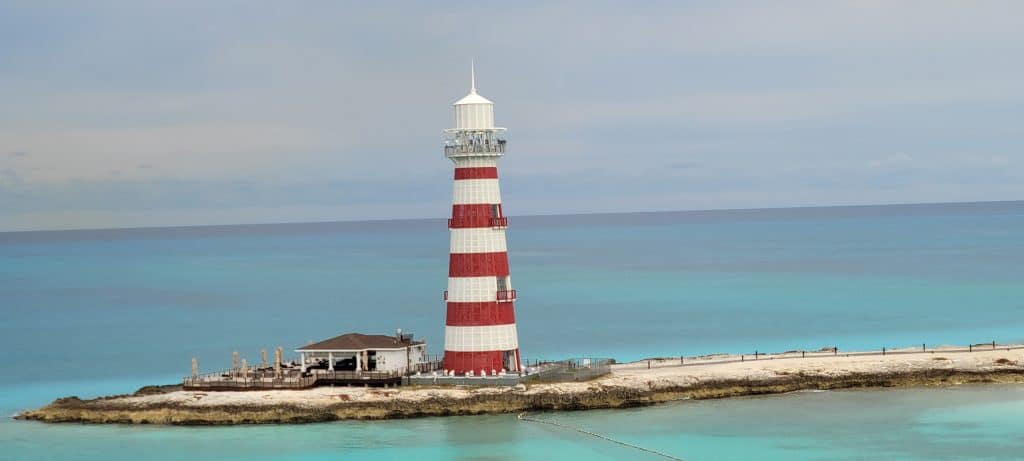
(347, 375)
(255, 380)
(264, 378)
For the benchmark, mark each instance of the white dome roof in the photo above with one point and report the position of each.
(473, 98)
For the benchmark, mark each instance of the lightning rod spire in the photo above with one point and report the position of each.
(472, 76)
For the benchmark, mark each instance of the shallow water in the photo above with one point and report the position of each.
(963, 423)
(97, 312)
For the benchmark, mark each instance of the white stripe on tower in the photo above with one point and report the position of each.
(472, 289)
(477, 240)
(476, 162)
(476, 191)
(481, 339)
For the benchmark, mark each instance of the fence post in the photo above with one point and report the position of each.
(648, 364)
(923, 348)
(680, 360)
(835, 351)
(741, 357)
(803, 354)
(883, 350)
(993, 345)
(755, 354)
(970, 348)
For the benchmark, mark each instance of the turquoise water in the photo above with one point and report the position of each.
(97, 312)
(964, 423)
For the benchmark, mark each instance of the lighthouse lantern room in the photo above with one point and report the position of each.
(480, 327)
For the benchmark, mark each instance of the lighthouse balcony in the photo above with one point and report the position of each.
(506, 296)
(463, 222)
(495, 148)
(503, 296)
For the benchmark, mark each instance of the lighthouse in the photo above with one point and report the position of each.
(480, 326)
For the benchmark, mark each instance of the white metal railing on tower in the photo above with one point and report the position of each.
(455, 150)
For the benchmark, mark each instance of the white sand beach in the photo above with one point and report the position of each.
(645, 375)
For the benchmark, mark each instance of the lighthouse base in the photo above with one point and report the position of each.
(486, 362)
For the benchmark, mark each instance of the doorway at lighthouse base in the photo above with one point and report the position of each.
(509, 359)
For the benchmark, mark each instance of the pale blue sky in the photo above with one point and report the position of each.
(123, 114)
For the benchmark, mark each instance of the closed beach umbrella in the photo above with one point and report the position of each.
(245, 370)
(263, 358)
(277, 363)
(195, 367)
(234, 361)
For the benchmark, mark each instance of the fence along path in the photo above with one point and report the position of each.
(716, 359)
(524, 417)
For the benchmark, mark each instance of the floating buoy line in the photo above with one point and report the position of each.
(523, 417)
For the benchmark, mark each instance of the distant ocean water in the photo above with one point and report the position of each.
(106, 311)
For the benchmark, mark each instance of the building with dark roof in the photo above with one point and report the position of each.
(359, 352)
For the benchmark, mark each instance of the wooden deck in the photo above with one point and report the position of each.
(263, 379)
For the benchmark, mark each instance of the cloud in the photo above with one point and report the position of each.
(199, 150)
(19, 154)
(10, 178)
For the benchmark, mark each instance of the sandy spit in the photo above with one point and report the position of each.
(628, 385)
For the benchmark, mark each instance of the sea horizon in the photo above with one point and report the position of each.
(751, 211)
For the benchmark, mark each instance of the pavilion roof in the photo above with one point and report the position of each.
(358, 342)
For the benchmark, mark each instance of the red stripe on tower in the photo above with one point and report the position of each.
(478, 264)
(477, 314)
(480, 328)
(486, 172)
(485, 360)
(467, 216)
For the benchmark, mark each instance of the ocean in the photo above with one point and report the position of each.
(106, 311)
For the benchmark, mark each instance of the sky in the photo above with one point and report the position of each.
(142, 113)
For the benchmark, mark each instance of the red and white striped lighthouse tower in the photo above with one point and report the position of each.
(480, 329)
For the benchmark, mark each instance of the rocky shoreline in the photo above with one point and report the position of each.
(629, 385)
